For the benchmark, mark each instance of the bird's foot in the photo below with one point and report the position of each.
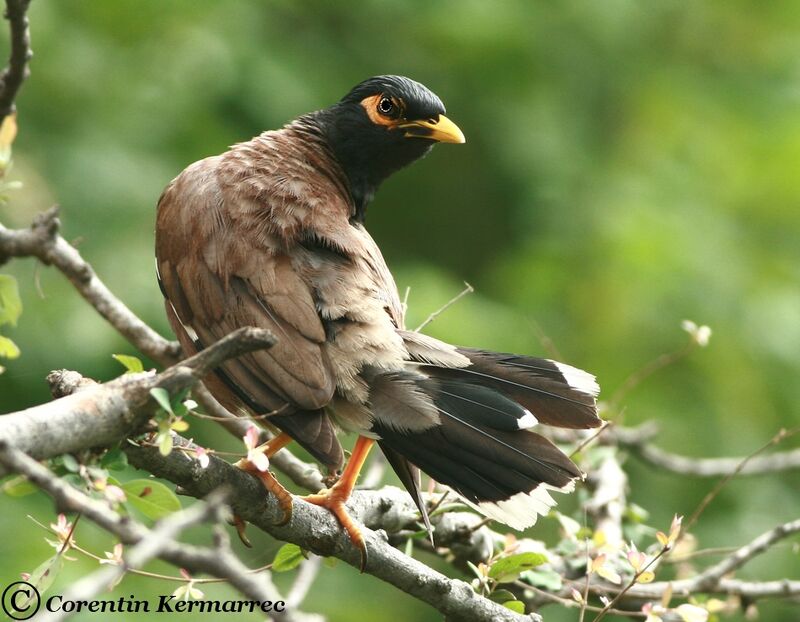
(333, 499)
(240, 525)
(273, 486)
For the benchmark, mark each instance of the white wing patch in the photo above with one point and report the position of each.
(522, 509)
(578, 379)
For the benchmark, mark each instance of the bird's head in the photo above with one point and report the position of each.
(380, 126)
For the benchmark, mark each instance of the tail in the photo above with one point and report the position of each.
(463, 416)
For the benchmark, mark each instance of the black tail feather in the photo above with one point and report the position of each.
(481, 446)
(410, 477)
(555, 393)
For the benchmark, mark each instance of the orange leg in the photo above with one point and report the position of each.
(273, 486)
(334, 498)
(276, 443)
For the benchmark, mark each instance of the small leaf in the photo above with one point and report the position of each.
(8, 349)
(114, 460)
(691, 613)
(161, 396)
(475, 569)
(646, 577)
(151, 498)
(288, 557)
(10, 302)
(180, 425)
(545, 578)
(502, 596)
(507, 569)
(46, 573)
(132, 364)
(18, 486)
(8, 131)
(409, 548)
(70, 463)
(516, 606)
(609, 574)
(165, 443)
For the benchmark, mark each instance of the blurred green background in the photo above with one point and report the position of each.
(628, 165)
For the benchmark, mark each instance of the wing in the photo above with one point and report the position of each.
(222, 265)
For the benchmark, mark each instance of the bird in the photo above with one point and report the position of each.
(271, 233)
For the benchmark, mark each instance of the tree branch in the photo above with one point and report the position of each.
(316, 530)
(716, 467)
(102, 414)
(43, 241)
(222, 564)
(713, 580)
(17, 69)
(167, 530)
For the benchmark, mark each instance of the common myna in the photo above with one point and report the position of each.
(271, 234)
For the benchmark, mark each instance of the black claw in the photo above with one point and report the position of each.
(363, 551)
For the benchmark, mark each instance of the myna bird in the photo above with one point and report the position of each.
(271, 234)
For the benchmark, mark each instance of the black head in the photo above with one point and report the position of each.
(380, 126)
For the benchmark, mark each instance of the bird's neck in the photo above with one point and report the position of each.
(361, 151)
(360, 176)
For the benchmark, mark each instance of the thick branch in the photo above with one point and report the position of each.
(717, 467)
(218, 563)
(17, 69)
(43, 241)
(316, 530)
(639, 441)
(714, 580)
(102, 414)
(166, 531)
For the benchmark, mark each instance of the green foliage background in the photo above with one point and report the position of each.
(627, 165)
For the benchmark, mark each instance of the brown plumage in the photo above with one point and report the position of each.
(271, 234)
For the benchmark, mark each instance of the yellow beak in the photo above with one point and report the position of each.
(441, 130)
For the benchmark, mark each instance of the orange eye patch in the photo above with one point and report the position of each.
(382, 110)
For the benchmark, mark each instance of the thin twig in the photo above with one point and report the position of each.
(467, 290)
(781, 435)
(544, 340)
(643, 373)
(43, 241)
(610, 604)
(220, 563)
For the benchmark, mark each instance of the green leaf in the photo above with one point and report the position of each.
(516, 606)
(73, 479)
(508, 569)
(132, 364)
(151, 498)
(114, 460)
(161, 396)
(545, 578)
(46, 572)
(474, 569)
(502, 596)
(177, 402)
(10, 302)
(18, 486)
(164, 440)
(70, 463)
(288, 557)
(8, 349)
(409, 548)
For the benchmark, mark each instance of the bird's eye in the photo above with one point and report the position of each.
(385, 106)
